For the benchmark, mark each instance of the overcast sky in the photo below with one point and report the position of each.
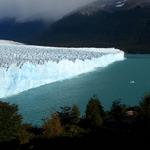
(24, 10)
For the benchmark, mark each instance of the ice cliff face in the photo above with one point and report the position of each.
(24, 67)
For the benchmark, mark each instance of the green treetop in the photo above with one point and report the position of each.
(94, 112)
(10, 122)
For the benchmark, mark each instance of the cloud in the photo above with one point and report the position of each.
(24, 10)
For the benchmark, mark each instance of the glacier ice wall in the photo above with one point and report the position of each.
(23, 67)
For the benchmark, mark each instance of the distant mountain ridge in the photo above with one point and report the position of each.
(111, 5)
(123, 24)
(24, 32)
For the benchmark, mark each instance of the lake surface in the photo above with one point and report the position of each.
(128, 80)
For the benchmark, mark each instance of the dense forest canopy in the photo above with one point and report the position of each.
(68, 126)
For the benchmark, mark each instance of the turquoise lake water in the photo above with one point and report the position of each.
(128, 80)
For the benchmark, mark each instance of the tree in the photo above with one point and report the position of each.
(94, 112)
(73, 131)
(69, 115)
(10, 122)
(52, 127)
(65, 115)
(25, 134)
(117, 110)
(145, 109)
(75, 115)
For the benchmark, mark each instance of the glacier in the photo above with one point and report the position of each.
(23, 67)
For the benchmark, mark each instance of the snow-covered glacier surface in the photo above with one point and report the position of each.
(23, 67)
